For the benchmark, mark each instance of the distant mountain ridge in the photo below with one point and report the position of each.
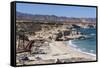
(51, 18)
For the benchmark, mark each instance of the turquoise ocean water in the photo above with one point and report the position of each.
(86, 45)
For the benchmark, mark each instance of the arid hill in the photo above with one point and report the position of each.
(52, 18)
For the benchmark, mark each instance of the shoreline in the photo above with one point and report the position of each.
(79, 49)
(71, 52)
(82, 54)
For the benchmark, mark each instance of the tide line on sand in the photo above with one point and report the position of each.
(79, 49)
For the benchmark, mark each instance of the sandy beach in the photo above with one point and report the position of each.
(70, 52)
(59, 51)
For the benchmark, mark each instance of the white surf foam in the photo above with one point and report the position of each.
(79, 49)
(92, 34)
(71, 44)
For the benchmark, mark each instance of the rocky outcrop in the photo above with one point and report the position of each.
(40, 47)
